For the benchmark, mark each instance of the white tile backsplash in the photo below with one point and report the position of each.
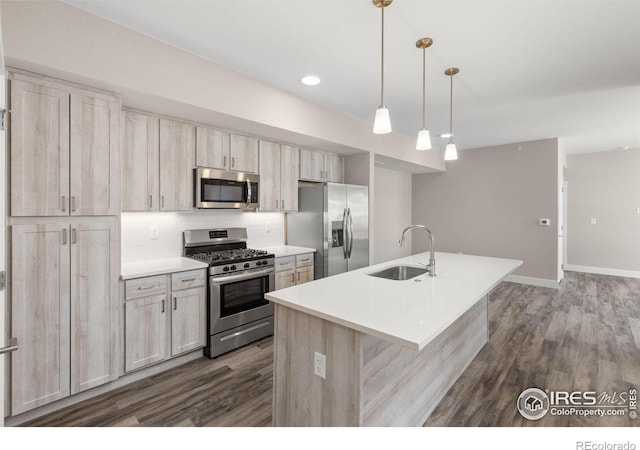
(263, 230)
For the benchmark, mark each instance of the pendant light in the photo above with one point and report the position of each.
(382, 122)
(450, 151)
(424, 139)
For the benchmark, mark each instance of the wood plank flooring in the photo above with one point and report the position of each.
(585, 335)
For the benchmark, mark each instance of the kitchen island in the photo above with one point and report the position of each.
(392, 348)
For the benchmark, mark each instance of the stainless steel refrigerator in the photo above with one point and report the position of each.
(333, 218)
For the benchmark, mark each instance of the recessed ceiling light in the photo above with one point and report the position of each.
(446, 135)
(310, 80)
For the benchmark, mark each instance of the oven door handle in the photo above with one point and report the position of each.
(245, 276)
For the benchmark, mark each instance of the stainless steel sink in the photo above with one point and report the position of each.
(399, 273)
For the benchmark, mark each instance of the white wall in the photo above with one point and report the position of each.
(263, 230)
(392, 205)
(488, 203)
(604, 186)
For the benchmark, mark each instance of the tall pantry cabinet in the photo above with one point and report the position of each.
(64, 228)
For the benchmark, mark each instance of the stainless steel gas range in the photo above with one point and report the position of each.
(239, 277)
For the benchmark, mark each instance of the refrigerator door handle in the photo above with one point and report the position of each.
(350, 220)
(345, 235)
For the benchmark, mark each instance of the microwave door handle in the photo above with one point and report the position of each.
(248, 202)
(344, 234)
(245, 276)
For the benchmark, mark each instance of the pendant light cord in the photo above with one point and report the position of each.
(424, 88)
(382, 64)
(451, 112)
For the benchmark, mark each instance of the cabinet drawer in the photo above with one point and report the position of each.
(144, 287)
(285, 263)
(304, 260)
(189, 279)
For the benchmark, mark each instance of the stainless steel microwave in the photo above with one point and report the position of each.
(222, 189)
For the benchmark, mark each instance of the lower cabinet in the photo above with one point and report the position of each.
(64, 301)
(165, 316)
(294, 270)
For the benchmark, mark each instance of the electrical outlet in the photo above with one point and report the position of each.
(153, 232)
(267, 227)
(593, 221)
(319, 364)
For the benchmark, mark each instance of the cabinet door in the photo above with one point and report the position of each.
(212, 148)
(40, 318)
(289, 174)
(311, 165)
(140, 162)
(94, 178)
(39, 150)
(244, 153)
(94, 304)
(146, 327)
(269, 176)
(285, 278)
(334, 168)
(188, 320)
(304, 274)
(177, 158)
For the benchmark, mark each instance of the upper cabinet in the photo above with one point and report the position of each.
(321, 166)
(278, 177)
(158, 157)
(221, 150)
(177, 153)
(63, 150)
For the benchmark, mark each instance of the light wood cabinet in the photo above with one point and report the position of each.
(279, 165)
(223, 150)
(140, 168)
(63, 150)
(244, 153)
(165, 316)
(63, 310)
(177, 159)
(321, 166)
(293, 270)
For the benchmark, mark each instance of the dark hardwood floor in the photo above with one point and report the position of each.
(584, 336)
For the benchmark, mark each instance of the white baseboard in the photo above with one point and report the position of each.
(603, 271)
(540, 282)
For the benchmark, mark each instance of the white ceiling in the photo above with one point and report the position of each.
(528, 69)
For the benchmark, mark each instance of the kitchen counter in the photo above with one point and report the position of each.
(152, 267)
(411, 312)
(358, 350)
(288, 250)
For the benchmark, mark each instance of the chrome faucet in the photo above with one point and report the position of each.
(431, 267)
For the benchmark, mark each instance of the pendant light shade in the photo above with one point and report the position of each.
(450, 151)
(382, 122)
(424, 138)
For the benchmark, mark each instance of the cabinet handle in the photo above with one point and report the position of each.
(175, 303)
(162, 305)
(233, 162)
(73, 203)
(73, 236)
(64, 236)
(151, 202)
(144, 288)
(186, 280)
(305, 259)
(162, 201)
(298, 276)
(321, 176)
(276, 204)
(293, 278)
(64, 203)
(224, 161)
(282, 204)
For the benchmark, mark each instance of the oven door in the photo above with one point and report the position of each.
(235, 300)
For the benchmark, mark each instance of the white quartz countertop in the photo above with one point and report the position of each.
(288, 250)
(152, 267)
(412, 312)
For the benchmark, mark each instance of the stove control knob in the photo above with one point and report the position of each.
(233, 267)
(225, 268)
(247, 265)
